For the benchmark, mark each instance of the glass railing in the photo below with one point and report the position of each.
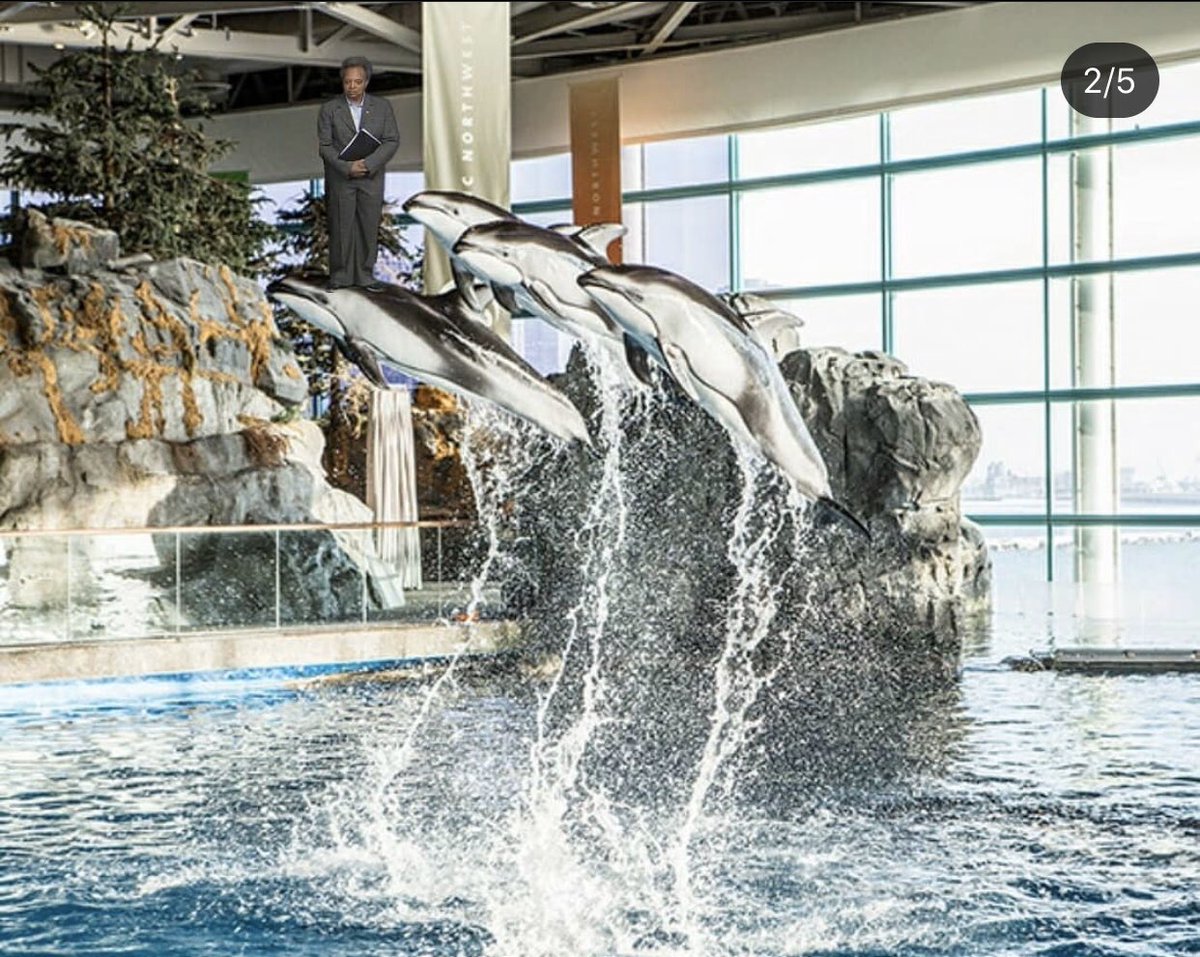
(87, 584)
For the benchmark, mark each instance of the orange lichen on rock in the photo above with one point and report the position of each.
(64, 236)
(151, 420)
(292, 371)
(161, 318)
(44, 296)
(69, 431)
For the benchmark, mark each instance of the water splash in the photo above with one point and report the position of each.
(759, 522)
(568, 823)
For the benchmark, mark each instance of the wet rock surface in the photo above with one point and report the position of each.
(158, 394)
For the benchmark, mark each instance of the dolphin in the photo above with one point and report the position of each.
(712, 353)
(535, 270)
(435, 339)
(447, 215)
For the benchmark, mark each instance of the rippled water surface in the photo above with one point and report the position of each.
(1010, 813)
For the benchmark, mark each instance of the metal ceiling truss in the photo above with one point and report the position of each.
(297, 45)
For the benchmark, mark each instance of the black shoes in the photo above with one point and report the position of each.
(374, 287)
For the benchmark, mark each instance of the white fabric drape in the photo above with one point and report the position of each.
(392, 481)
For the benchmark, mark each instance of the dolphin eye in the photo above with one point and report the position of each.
(636, 295)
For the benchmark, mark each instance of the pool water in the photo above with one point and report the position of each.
(1003, 814)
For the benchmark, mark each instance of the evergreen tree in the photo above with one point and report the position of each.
(117, 151)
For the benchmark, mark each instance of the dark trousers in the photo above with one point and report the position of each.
(354, 208)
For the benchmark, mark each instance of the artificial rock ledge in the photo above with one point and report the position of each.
(144, 396)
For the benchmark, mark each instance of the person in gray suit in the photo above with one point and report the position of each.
(354, 189)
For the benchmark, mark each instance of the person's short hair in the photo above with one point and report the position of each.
(359, 61)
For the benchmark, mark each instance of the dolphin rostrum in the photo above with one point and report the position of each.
(714, 356)
(435, 339)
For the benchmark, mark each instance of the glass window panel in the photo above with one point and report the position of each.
(1156, 209)
(974, 218)
(121, 586)
(690, 237)
(33, 589)
(801, 149)
(1159, 455)
(977, 338)
(397, 187)
(1158, 462)
(1062, 459)
(1158, 326)
(852, 322)
(1009, 475)
(1062, 349)
(542, 177)
(815, 235)
(686, 162)
(962, 125)
(341, 599)
(227, 580)
(1157, 329)
(1018, 554)
(1160, 603)
(1058, 208)
(633, 167)
(634, 244)
(1058, 114)
(1176, 101)
(541, 345)
(551, 217)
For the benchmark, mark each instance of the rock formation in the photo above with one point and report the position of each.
(159, 394)
(898, 448)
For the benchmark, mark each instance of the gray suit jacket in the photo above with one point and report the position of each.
(335, 128)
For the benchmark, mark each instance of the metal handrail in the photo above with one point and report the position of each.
(229, 529)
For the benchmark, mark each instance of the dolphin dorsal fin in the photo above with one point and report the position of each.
(597, 236)
(594, 236)
(777, 329)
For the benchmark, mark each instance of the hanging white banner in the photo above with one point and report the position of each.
(467, 108)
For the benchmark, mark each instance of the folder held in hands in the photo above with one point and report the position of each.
(362, 146)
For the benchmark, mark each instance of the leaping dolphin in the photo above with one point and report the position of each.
(535, 270)
(447, 215)
(435, 339)
(712, 352)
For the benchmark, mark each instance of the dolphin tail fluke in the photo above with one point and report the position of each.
(829, 510)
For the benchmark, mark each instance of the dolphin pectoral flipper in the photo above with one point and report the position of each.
(639, 360)
(477, 296)
(360, 354)
(680, 371)
(507, 299)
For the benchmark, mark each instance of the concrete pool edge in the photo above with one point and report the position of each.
(347, 646)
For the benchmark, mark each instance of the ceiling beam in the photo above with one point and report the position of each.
(630, 41)
(374, 23)
(219, 44)
(544, 23)
(178, 26)
(60, 12)
(667, 23)
(516, 9)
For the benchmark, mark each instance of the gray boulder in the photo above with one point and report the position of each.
(150, 395)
